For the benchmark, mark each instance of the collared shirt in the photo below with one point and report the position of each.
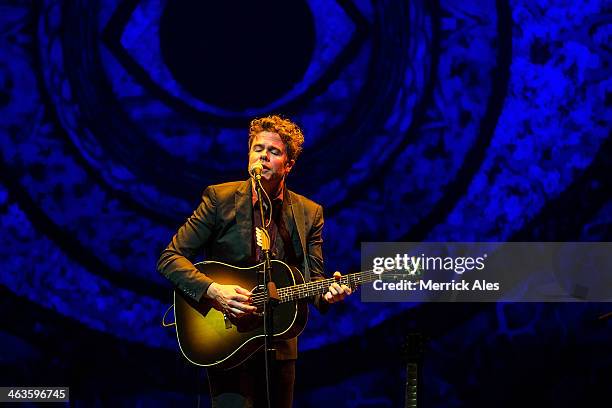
(280, 196)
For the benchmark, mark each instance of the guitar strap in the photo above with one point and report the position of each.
(298, 217)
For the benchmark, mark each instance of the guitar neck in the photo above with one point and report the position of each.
(320, 287)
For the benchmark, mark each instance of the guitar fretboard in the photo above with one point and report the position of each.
(319, 287)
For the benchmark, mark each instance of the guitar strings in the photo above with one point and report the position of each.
(351, 280)
(318, 285)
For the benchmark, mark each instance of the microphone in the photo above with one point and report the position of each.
(256, 170)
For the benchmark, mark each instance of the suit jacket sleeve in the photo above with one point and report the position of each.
(175, 261)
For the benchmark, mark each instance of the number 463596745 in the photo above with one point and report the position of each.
(36, 393)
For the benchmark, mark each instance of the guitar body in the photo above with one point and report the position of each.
(204, 335)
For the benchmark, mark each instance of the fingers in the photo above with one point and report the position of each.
(237, 311)
(234, 312)
(240, 298)
(330, 297)
(242, 291)
(240, 307)
(337, 292)
(336, 289)
(235, 300)
(344, 288)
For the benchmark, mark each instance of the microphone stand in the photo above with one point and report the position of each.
(272, 299)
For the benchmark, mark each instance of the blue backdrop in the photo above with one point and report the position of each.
(424, 120)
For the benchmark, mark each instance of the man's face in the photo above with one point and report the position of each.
(268, 147)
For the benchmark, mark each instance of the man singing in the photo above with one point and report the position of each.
(223, 228)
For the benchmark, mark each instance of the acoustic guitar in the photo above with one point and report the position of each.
(208, 337)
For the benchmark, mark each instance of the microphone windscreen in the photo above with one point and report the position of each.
(256, 168)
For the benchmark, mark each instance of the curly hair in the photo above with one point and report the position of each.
(289, 132)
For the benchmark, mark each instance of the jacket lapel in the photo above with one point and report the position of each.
(297, 213)
(290, 223)
(243, 201)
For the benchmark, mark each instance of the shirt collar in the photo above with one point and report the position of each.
(279, 197)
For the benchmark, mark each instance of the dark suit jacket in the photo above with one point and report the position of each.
(221, 229)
